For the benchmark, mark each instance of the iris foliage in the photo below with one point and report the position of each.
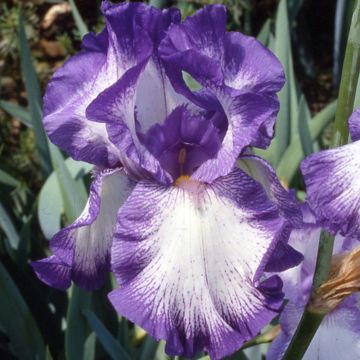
(38, 322)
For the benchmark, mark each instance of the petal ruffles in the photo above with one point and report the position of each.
(81, 251)
(191, 258)
(128, 40)
(332, 182)
(239, 77)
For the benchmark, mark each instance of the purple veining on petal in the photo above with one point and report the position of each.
(116, 107)
(251, 119)
(232, 59)
(192, 258)
(332, 182)
(261, 171)
(81, 251)
(237, 73)
(132, 34)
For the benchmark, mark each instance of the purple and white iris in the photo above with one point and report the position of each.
(337, 170)
(187, 234)
(338, 336)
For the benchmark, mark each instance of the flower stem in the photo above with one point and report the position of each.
(348, 83)
(310, 321)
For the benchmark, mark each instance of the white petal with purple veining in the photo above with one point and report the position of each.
(82, 249)
(155, 97)
(191, 258)
(332, 179)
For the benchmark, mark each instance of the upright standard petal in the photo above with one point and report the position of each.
(248, 124)
(333, 184)
(81, 251)
(132, 33)
(202, 47)
(192, 258)
(239, 76)
(129, 110)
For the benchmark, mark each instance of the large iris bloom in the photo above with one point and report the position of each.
(189, 234)
(332, 179)
(338, 334)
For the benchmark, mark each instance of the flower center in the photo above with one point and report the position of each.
(184, 181)
(181, 180)
(190, 185)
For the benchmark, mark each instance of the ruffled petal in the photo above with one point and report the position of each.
(132, 31)
(201, 47)
(261, 171)
(249, 65)
(332, 181)
(129, 110)
(239, 77)
(191, 258)
(298, 280)
(67, 95)
(150, 110)
(101, 63)
(251, 119)
(284, 256)
(115, 106)
(81, 251)
(338, 336)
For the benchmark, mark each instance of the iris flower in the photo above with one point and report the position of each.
(187, 234)
(338, 335)
(337, 171)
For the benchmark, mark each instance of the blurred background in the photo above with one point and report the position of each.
(41, 190)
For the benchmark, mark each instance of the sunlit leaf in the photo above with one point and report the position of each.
(160, 352)
(293, 155)
(304, 131)
(148, 348)
(90, 347)
(286, 127)
(73, 193)
(264, 33)
(51, 204)
(283, 52)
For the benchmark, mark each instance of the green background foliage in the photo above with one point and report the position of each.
(42, 190)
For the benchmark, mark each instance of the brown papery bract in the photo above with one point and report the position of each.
(344, 279)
